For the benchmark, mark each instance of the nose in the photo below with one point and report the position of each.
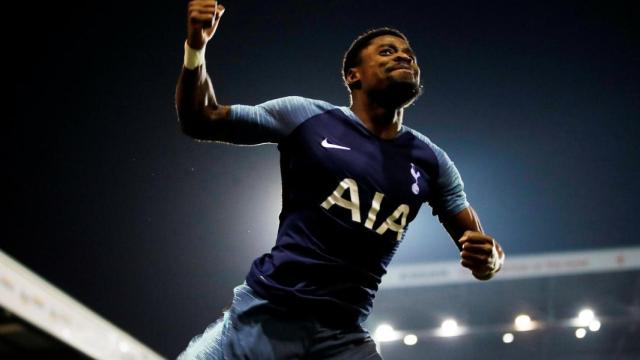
(404, 58)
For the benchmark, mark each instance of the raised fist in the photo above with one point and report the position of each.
(203, 19)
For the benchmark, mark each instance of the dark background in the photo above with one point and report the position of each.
(537, 102)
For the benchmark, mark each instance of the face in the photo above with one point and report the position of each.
(388, 72)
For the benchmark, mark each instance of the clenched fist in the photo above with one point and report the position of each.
(203, 19)
(481, 254)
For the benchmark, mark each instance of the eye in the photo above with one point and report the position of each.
(386, 51)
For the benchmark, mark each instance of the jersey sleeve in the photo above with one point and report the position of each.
(449, 197)
(270, 122)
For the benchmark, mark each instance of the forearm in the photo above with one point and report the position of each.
(195, 100)
(470, 221)
(482, 254)
(198, 110)
(465, 220)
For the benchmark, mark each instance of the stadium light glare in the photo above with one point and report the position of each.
(507, 338)
(580, 333)
(523, 322)
(594, 325)
(585, 317)
(449, 328)
(385, 332)
(410, 340)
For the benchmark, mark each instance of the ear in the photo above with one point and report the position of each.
(353, 78)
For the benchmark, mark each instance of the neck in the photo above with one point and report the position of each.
(383, 122)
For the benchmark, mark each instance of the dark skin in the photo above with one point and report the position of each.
(386, 64)
(390, 59)
(387, 59)
(198, 109)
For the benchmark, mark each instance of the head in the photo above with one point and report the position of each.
(381, 65)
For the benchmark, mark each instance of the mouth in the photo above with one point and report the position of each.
(401, 68)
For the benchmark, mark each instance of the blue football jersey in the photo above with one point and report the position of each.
(347, 198)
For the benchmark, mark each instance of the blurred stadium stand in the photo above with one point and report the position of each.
(551, 289)
(38, 321)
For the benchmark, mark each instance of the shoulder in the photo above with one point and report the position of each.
(424, 140)
(443, 159)
(294, 109)
(298, 103)
(278, 117)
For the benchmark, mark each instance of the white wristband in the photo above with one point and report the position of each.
(192, 57)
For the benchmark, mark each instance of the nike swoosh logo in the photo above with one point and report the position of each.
(327, 145)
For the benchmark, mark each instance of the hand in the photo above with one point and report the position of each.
(203, 19)
(481, 254)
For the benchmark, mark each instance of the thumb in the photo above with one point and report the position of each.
(219, 11)
(216, 20)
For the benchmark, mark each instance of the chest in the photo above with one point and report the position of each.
(330, 151)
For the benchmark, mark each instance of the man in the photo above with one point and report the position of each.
(352, 179)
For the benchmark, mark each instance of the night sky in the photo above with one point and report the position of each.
(537, 103)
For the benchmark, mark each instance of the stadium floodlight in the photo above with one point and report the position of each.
(385, 332)
(580, 333)
(585, 317)
(523, 322)
(410, 340)
(594, 325)
(449, 328)
(507, 338)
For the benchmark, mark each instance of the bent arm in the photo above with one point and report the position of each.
(199, 113)
(457, 224)
(202, 117)
(479, 252)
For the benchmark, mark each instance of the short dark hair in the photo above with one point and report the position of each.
(352, 56)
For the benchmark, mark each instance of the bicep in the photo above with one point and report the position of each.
(237, 124)
(210, 126)
(269, 122)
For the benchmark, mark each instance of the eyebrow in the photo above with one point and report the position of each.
(392, 45)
